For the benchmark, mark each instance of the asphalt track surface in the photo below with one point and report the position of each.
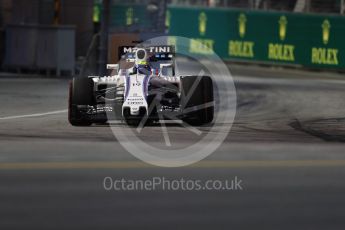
(286, 145)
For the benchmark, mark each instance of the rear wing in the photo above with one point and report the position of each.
(154, 53)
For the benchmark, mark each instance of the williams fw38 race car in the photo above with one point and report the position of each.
(141, 89)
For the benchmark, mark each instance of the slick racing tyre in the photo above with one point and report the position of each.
(197, 100)
(80, 93)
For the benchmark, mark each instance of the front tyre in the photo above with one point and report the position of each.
(80, 94)
(197, 100)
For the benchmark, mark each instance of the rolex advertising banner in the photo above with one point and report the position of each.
(274, 37)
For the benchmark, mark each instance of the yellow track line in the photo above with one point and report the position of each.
(142, 165)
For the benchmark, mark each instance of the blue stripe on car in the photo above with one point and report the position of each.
(145, 85)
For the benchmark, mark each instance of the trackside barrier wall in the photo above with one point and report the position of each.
(126, 17)
(40, 47)
(309, 40)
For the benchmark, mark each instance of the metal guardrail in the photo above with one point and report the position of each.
(37, 47)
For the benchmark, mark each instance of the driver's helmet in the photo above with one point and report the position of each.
(143, 68)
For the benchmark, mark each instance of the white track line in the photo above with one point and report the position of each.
(34, 115)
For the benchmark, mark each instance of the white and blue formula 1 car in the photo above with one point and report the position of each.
(141, 89)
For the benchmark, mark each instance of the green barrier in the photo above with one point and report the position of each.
(274, 37)
(125, 15)
(128, 15)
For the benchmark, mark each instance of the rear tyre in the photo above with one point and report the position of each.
(80, 93)
(198, 102)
